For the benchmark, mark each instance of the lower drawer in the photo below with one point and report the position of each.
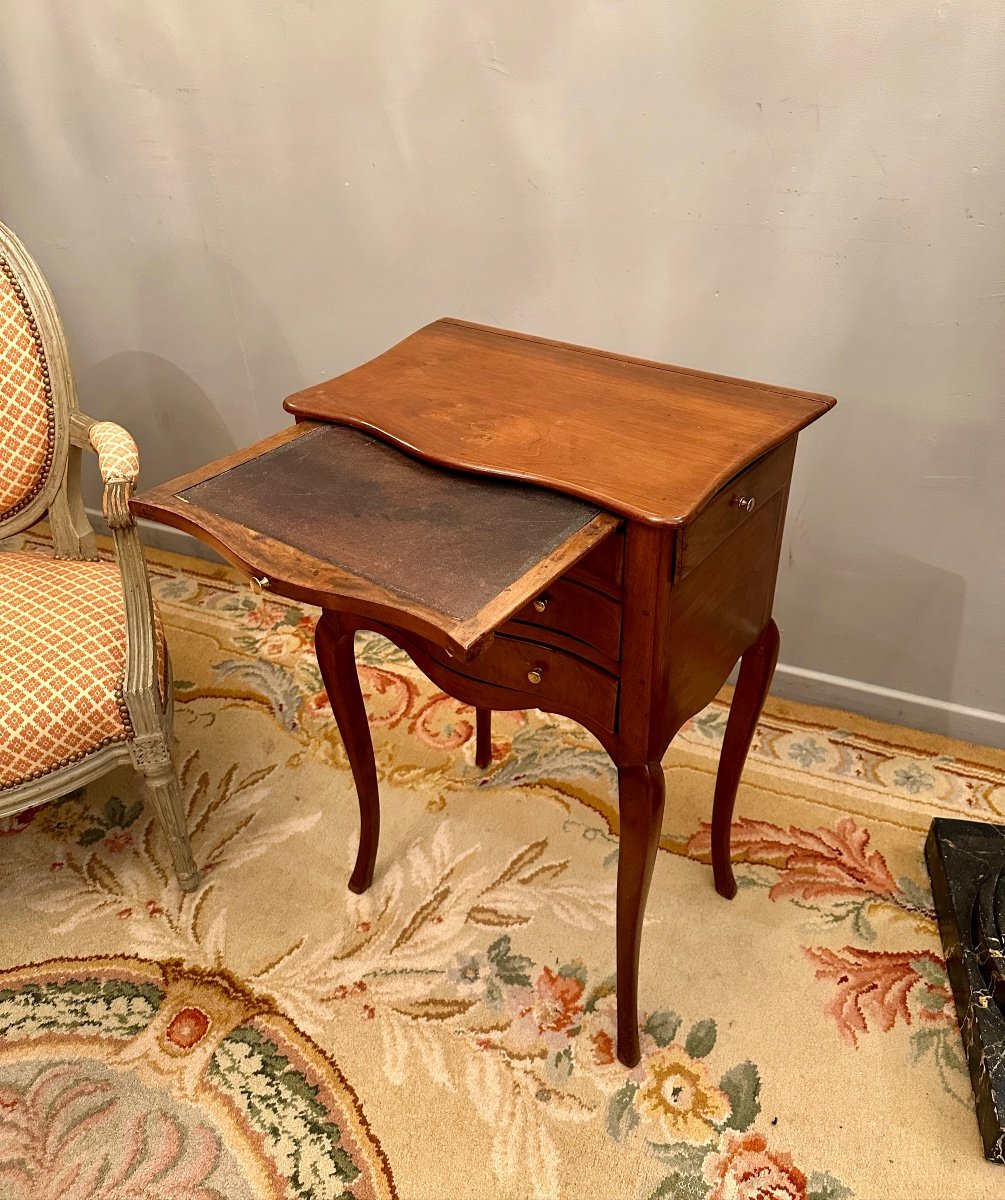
(560, 679)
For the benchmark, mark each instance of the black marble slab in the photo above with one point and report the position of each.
(966, 863)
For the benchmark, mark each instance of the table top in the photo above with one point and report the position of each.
(647, 440)
(332, 515)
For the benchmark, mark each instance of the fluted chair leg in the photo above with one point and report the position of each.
(153, 761)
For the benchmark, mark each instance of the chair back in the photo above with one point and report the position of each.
(38, 471)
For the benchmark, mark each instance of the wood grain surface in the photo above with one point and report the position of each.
(647, 440)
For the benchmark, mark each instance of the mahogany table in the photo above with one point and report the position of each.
(537, 525)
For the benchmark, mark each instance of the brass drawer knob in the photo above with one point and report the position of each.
(541, 603)
(746, 503)
(258, 585)
(536, 675)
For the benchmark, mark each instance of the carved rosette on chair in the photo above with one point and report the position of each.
(84, 671)
(966, 863)
(536, 525)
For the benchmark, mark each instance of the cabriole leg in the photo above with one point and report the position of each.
(756, 669)
(483, 737)
(336, 654)
(640, 800)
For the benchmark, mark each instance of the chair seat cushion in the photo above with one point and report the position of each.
(62, 663)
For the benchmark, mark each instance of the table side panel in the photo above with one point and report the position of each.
(719, 609)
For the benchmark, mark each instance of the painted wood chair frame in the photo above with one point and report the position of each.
(57, 496)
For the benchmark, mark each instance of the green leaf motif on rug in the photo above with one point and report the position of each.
(510, 968)
(115, 816)
(312, 1159)
(680, 1187)
(701, 1039)
(606, 987)
(854, 912)
(621, 1115)
(115, 1007)
(270, 679)
(712, 723)
(742, 1085)
(933, 973)
(684, 1181)
(917, 895)
(574, 970)
(662, 1026)
(683, 1159)
(822, 1186)
(562, 1065)
(942, 1043)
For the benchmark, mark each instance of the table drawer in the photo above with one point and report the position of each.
(733, 505)
(570, 608)
(604, 566)
(562, 679)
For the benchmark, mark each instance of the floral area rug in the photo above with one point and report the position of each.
(450, 1034)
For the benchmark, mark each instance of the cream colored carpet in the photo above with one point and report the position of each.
(450, 1034)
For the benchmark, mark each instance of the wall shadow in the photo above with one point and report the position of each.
(172, 420)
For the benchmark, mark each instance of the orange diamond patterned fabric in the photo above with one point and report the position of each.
(118, 458)
(27, 429)
(62, 663)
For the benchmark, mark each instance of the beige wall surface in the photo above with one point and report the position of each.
(234, 200)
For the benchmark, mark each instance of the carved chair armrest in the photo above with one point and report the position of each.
(118, 462)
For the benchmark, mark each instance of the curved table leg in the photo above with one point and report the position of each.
(483, 737)
(756, 669)
(641, 794)
(337, 659)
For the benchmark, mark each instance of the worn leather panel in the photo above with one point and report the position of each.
(449, 540)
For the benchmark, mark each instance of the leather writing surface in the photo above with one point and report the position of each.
(449, 540)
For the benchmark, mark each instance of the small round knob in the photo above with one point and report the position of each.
(746, 503)
(536, 675)
(259, 585)
(541, 603)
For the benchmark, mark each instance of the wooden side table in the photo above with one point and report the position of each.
(569, 530)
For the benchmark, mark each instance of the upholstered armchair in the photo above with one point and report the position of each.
(85, 679)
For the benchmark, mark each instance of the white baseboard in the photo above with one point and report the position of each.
(885, 704)
(791, 683)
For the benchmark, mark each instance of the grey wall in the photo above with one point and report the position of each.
(234, 200)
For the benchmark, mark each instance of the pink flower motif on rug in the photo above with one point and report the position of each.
(557, 1001)
(745, 1169)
